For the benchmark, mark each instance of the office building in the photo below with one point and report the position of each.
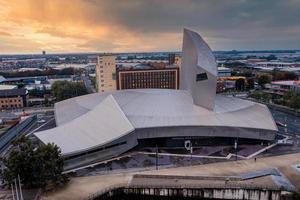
(106, 73)
(165, 78)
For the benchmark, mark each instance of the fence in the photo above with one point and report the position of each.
(194, 191)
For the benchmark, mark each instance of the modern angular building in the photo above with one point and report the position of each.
(101, 126)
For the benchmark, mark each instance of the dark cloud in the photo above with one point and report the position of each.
(235, 20)
(156, 24)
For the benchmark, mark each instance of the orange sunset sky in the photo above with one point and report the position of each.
(31, 26)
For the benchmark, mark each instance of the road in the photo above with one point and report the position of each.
(88, 84)
(292, 121)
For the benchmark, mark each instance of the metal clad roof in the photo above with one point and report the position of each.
(91, 129)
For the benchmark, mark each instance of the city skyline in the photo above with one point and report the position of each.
(139, 25)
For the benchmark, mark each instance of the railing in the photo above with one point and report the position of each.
(109, 191)
(104, 191)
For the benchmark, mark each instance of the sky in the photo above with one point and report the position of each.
(31, 26)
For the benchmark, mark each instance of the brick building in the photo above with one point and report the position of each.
(14, 98)
(166, 78)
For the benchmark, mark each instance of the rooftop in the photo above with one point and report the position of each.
(13, 92)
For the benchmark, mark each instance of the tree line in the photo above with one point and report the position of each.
(47, 72)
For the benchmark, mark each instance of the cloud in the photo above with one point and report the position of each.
(143, 25)
(3, 33)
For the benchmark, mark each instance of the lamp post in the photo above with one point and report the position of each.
(191, 153)
(156, 158)
(236, 148)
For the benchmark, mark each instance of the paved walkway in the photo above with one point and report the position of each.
(81, 187)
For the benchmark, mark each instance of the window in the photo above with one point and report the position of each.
(114, 76)
(201, 77)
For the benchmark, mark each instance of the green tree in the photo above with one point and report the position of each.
(37, 166)
(250, 83)
(293, 99)
(64, 89)
(264, 79)
(240, 84)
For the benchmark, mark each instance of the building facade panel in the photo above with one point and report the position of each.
(167, 78)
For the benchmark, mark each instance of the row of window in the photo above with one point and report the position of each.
(10, 101)
(11, 106)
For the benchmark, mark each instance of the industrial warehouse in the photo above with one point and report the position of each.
(98, 126)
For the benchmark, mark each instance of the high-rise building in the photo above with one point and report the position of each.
(106, 73)
(166, 78)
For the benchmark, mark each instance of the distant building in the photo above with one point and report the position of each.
(166, 78)
(2, 79)
(224, 72)
(9, 118)
(282, 87)
(44, 52)
(271, 65)
(8, 87)
(106, 73)
(14, 98)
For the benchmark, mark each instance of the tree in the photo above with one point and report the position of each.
(47, 72)
(64, 89)
(278, 75)
(264, 79)
(240, 84)
(292, 99)
(290, 76)
(37, 166)
(250, 83)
